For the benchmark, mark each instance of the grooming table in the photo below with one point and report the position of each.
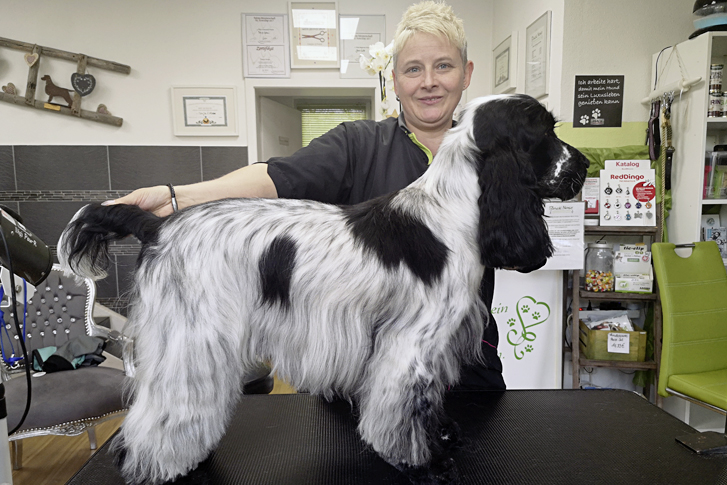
(514, 437)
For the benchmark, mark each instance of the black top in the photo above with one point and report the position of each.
(354, 162)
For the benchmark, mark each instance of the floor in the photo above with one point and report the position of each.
(53, 460)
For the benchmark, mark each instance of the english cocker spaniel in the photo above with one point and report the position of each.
(376, 303)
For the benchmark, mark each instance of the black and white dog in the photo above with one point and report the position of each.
(376, 303)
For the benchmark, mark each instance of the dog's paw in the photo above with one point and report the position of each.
(448, 435)
(441, 472)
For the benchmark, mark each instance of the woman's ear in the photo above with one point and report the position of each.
(512, 231)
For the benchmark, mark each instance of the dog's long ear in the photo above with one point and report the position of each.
(512, 231)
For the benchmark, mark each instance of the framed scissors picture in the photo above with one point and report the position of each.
(313, 35)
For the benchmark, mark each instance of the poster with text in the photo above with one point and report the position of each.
(598, 101)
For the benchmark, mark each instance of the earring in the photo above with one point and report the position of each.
(397, 98)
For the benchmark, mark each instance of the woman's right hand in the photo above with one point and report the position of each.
(157, 200)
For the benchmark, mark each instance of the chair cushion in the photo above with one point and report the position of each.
(710, 387)
(61, 397)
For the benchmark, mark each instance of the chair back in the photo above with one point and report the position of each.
(60, 310)
(693, 294)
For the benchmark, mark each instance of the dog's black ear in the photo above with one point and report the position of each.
(512, 231)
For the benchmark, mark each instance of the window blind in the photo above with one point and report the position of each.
(318, 120)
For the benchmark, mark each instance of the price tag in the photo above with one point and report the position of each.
(618, 343)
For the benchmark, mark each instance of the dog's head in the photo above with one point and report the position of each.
(520, 163)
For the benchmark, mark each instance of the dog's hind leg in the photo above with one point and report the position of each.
(186, 384)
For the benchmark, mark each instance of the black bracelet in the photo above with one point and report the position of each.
(175, 207)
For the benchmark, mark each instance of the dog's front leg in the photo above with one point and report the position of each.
(400, 415)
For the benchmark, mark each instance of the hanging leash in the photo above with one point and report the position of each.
(666, 155)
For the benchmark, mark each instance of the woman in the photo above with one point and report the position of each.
(361, 160)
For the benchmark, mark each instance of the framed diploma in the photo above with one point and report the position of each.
(313, 35)
(204, 111)
(358, 33)
(265, 45)
(504, 65)
(537, 56)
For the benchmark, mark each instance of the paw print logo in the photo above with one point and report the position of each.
(511, 322)
(584, 119)
(529, 348)
(536, 315)
(596, 113)
(526, 309)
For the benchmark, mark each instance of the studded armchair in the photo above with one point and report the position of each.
(67, 402)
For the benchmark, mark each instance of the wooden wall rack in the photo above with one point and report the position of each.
(82, 61)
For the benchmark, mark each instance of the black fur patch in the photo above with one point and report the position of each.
(396, 237)
(276, 267)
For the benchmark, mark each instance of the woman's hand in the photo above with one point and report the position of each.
(157, 200)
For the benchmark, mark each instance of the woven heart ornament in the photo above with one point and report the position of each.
(83, 84)
(31, 59)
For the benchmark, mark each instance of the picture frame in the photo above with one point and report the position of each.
(537, 56)
(504, 65)
(358, 33)
(204, 110)
(314, 38)
(265, 46)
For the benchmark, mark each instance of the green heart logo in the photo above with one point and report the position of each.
(530, 313)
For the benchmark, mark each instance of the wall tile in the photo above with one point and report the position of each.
(48, 219)
(218, 161)
(140, 166)
(7, 173)
(61, 167)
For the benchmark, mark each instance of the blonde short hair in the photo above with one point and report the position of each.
(436, 18)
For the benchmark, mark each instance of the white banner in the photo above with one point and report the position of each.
(528, 312)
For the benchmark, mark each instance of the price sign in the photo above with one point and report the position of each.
(618, 343)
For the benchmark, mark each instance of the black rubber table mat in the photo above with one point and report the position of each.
(512, 437)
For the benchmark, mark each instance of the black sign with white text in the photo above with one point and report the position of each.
(598, 101)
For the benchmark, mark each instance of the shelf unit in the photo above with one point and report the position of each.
(578, 294)
(693, 132)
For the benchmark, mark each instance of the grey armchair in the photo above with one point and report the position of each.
(68, 402)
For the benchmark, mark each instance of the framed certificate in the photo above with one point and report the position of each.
(358, 33)
(537, 56)
(204, 111)
(313, 35)
(504, 65)
(265, 45)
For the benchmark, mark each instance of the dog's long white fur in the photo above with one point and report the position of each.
(198, 321)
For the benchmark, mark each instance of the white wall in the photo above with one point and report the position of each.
(515, 16)
(619, 37)
(166, 43)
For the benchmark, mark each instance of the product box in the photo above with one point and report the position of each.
(590, 194)
(607, 345)
(627, 197)
(632, 269)
(634, 283)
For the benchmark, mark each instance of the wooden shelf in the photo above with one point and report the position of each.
(614, 296)
(621, 230)
(619, 364)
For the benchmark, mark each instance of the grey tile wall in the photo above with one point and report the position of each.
(47, 184)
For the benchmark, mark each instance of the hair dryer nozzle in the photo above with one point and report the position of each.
(31, 258)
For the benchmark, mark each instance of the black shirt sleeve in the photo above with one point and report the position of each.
(321, 171)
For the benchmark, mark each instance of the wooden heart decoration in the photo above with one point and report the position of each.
(31, 59)
(83, 84)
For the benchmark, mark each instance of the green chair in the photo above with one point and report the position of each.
(693, 366)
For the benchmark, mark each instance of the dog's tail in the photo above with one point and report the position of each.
(83, 246)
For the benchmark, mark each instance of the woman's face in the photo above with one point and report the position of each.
(429, 79)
